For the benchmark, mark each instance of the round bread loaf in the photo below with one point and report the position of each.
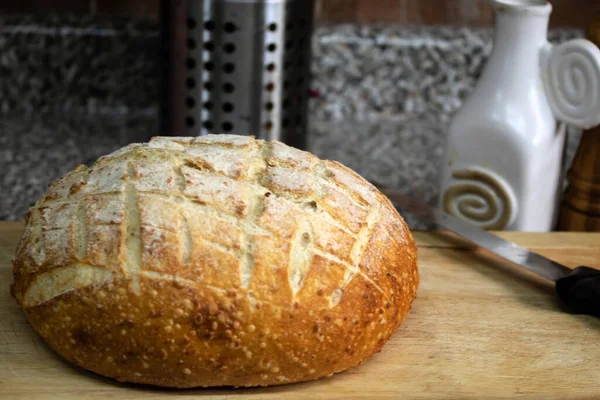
(214, 260)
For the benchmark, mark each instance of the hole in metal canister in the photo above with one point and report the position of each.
(230, 27)
(229, 68)
(229, 48)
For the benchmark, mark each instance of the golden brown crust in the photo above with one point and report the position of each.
(228, 261)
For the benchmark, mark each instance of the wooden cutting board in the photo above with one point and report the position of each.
(478, 329)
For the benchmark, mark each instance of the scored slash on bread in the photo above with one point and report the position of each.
(215, 260)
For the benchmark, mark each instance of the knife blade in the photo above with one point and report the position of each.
(578, 288)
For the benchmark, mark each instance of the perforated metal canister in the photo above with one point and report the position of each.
(237, 66)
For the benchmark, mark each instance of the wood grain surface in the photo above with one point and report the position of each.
(479, 329)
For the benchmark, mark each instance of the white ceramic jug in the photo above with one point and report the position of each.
(503, 165)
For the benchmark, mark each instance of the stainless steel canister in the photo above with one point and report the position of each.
(237, 66)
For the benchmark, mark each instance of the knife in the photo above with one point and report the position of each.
(578, 288)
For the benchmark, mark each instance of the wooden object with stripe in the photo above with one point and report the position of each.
(580, 208)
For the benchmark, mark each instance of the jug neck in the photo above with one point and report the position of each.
(521, 30)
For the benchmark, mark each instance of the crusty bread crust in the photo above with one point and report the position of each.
(216, 260)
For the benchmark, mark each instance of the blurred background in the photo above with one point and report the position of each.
(79, 79)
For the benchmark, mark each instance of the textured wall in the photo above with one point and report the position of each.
(111, 66)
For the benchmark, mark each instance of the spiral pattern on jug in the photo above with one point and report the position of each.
(479, 198)
(574, 82)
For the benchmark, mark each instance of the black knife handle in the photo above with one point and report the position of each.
(580, 291)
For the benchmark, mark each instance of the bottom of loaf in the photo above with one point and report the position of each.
(181, 336)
